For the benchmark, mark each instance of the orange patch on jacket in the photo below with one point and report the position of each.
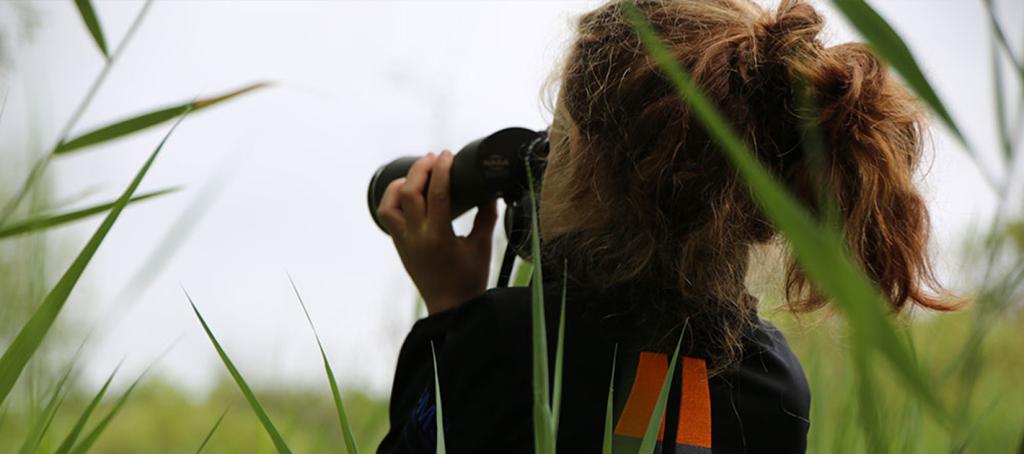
(694, 427)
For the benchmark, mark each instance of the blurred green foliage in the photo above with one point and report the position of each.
(163, 417)
(993, 417)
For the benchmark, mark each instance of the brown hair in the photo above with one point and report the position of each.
(647, 202)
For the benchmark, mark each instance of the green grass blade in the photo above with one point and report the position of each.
(650, 440)
(523, 273)
(841, 441)
(3, 105)
(49, 420)
(93, 24)
(275, 436)
(86, 444)
(55, 220)
(1020, 444)
(609, 410)
(1000, 36)
(144, 121)
(1002, 125)
(875, 432)
(419, 308)
(438, 414)
(815, 377)
(820, 251)
(543, 435)
(170, 243)
(40, 166)
(39, 432)
(76, 430)
(213, 430)
(32, 333)
(346, 428)
(975, 427)
(1015, 230)
(888, 44)
(90, 439)
(45, 418)
(556, 394)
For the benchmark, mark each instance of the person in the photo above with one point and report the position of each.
(656, 232)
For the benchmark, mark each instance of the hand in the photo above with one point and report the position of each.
(447, 269)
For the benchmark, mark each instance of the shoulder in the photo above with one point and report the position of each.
(501, 302)
(769, 355)
(489, 325)
(765, 399)
(512, 308)
(500, 306)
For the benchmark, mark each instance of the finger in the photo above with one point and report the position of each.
(390, 209)
(483, 224)
(411, 194)
(439, 205)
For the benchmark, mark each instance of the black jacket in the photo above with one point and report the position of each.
(761, 404)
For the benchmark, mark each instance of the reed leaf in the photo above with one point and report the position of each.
(876, 433)
(1000, 37)
(438, 413)
(45, 418)
(170, 243)
(816, 376)
(250, 397)
(76, 430)
(86, 444)
(523, 274)
(609, 410)
(346, 428)
(213, 430)
(41, 164)
(999, 95)
(543, 429)
(841, 441)
(970, 432)
(650, 440)
(144, 121)
(819, 250)
(92, 22)
(889, 46)
(1015, 230)
(556, 395)
(55, 220)
(419, 308)
(3, 105)
(32, 333)
(1020, 446)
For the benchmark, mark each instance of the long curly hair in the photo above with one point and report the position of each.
(652, 211)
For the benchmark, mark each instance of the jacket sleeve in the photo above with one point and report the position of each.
(410, 387)
(483, 366)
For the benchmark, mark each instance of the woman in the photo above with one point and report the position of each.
(657, 230)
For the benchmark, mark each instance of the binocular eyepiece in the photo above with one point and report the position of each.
(493, 167)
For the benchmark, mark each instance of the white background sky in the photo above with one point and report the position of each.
(357, 84)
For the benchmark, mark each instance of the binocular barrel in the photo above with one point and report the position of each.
(485, 169)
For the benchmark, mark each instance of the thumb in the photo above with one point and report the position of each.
(483, 224)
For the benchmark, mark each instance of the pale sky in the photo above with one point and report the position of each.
(357, 84)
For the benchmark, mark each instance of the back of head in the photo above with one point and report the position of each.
(650, 204)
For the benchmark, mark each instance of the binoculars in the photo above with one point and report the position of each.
(493, 167)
